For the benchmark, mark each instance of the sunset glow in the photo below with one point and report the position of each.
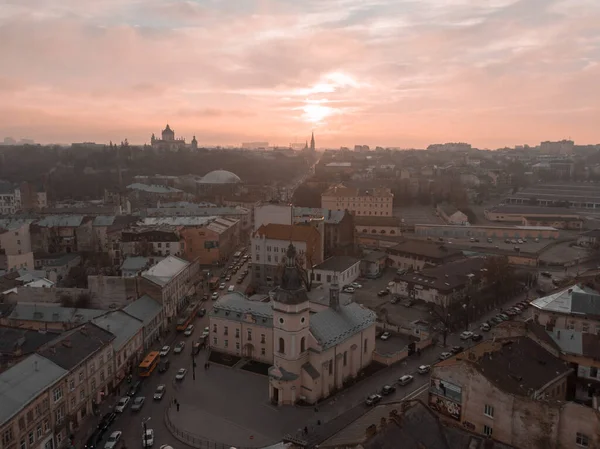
(384, 72)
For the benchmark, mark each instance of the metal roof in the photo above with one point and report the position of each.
(165, 270)
(144, 309)
(178, 221)
(104, 220)
(152, 188)
(331, 327)
(23, 382)
(233, 306)
(562, 301)
(52, 313)
(122, 325)
(136, 263)
(568, 340)
(66, 221)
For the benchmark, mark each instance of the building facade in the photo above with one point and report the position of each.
(376, 201)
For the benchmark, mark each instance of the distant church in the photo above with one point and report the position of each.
(170, 143)
(312, 143)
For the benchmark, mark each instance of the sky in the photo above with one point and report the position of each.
(399, 73)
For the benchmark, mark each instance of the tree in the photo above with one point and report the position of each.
(500, 277)
(306, 270)
(83, 301)
(66, 300)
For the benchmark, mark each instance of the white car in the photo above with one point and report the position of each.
(356, 285)
(160, 392)
(466, 335)
(485, 327)
(385, 336)
(405, 380)
(122, 404)
(113, 439)
(424, 369)
(445, 355)
(215, 295)
(222, 286)
(179, 347)
(189, 330)
(148, 438)
(180, 374)
(349, 290)
(165, 351)
(206, 332)
(231, 288)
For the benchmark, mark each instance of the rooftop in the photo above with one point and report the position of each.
(122, 325)
(220, 177)
(152, 188)
(293, 233)
(137, 263)
(576, 299)
(372, 220)
(331, 327)
(165, 270)
(337, 263)
(56, 221)
(73, 347)
(103, 220)
(177, 221)
(448, 276)
(45, 312)
(576, 342)
(13, 339)
(235, 306)
(23, 382)
(330, 216)
(532, 210)
(428, 250)
(144, 309)
(14, 224)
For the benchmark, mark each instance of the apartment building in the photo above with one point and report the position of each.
(63, 233)
(158, 240)
(417, 254)
(15, 244)
(376, 201)
(212, 243)
(10, 199)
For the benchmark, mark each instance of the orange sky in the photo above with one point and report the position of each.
(378, 72)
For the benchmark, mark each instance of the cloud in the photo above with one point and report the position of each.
(395, 72)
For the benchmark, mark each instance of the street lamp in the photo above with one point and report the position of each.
(144, 421)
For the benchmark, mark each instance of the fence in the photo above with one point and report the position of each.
(195, 440)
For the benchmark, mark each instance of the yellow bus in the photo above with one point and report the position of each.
(149, 363)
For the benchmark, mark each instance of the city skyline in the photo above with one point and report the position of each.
(376, 72)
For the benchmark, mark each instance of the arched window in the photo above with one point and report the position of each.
(382, 231)
(365, 230)
(373, 231)
(392, 232)
(281, 345)
(303, 344)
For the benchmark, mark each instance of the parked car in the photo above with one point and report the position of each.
(93, 440)
(180, 374)
(201, 312)
(395, 300)
(496, 320)
(466, 335)
(222, 286)
(106, 421)
(122, 404)
(138, 403)
(457, 349)
(160, 392)
(135, 387)
(179, 347)
(385, 336)
(477, 337)
(205, 332)
(424, 369)
(356, 285)
(383, 293)
(510, 312)
(349, 289)
(164, 351)
(189, 330)
(214, 296)
(373, 399)
(405, 380)
(148, 438)
(164, 366)
(113, 440)
(503, 316)
(485, 327)
(387, 390)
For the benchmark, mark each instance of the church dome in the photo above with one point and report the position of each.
(220, 177)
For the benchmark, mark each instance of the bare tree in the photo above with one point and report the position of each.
(305, 267)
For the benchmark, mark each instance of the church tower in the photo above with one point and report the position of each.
(194, 143)
(312, 141)
(291, 318)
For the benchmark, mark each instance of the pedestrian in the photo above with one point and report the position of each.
(178, 406)
(305, 430)
(318, 422)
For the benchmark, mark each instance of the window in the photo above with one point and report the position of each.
(72, 402)
(215, 341)
(237, 345)
(22, 425)
(38, 410)
(101, 375)
(109, 370)
(249, 334)
(303, 344)
(31, 438)
(57, 394)
(262, 351)
(276, 259)
(46, 425)
(269, 258)
(39, 432)
(585, 327)
(29, 417)
(330, 367)
(582, 440)
(237, 333)
(23, 444)
(59, 437)
(214, 328)
(328, 278)
(262, 339)
(345, 358)
(225, 330)
(487, 430)
(80, 376)
(318, 277)
(72, 384)
(258, 257)
(593, 371)
(365, 347)
(488, 411)
(93, 385)
(7, 436)
(226, 343)
(281, 349)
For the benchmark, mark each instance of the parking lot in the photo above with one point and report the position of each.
(395, 343)
(418, 215)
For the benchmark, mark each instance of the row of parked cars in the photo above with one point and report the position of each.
(505, 315)
(387, 390)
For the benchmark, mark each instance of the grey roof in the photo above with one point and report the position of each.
(52, 313)
(311, 370)
(104, 220)
(144, 309)
(585, 303)
(62, 260)
(375, 256)
(6, 187)
(165, 270)
(331, 327)
(68, 221)
(280, 373)
(235, 305)
(23, 382)
(330, 216)
(122, 325)
(568, 340)
(138, 263)
(152, 188)
(24, 340)
(574, 299)
(179, 221)
(337, 263)
(14, 223)
(77, 345)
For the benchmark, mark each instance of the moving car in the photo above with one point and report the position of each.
(373, 399)
(466, 335)
(356, 285)
(387, 390)
(485, 327)
(205, 332)
(180, 374)
(164, 366)
(164, 351)
(138, 403)
(160, 392)
(477, 337)
(385, 336)
(445, 355)
(405, 380)
(148, 438)
(231, 288)
(122, 404)
(201, 312)
(228, 277)
(93, 440)
(113, 439)
(106, 421)
(424, 369)
(179, 347)
(457, 349)
(189, 330)
(135, 387)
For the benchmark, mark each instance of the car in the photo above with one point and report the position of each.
(164, 351)
(387, 390)
(196, 346)
(106, 421)
(148, 438)
(472, 240)
(222, 286)
(520, 242)
(510, 312)
(373, 399)
(405, 380)
(477, 337)
(383, 293)
(517, 310)
(113, 439)
(215, 296)
(503, 316)
(395, 300)
(240, 280)
(205, 297)
(189, 330)
(485, 327)
(401, 271)
(160, 392)
(122, 404)
(445, 355)
(179, 347)
(164, 366)
(135, 387)
(496, 320)
(231, 288)
(457, 349)
(536, 240)
(349, 290)
(228, 277)
(523, 304)
(356, 285)
(423, 369)
(205, 332)
(385, 336)
(524, 240)
(489, 240)
(180, 374)
(466, 335)
(93, 440)
(506, 240)
(138, 403)
(201, 312)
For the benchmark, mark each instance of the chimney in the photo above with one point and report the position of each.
(558, 334)
(35, 365)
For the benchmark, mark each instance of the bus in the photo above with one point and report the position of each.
(213, 283)
(187, 317)
(149, 363)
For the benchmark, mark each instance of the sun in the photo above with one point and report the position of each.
(316, 113)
